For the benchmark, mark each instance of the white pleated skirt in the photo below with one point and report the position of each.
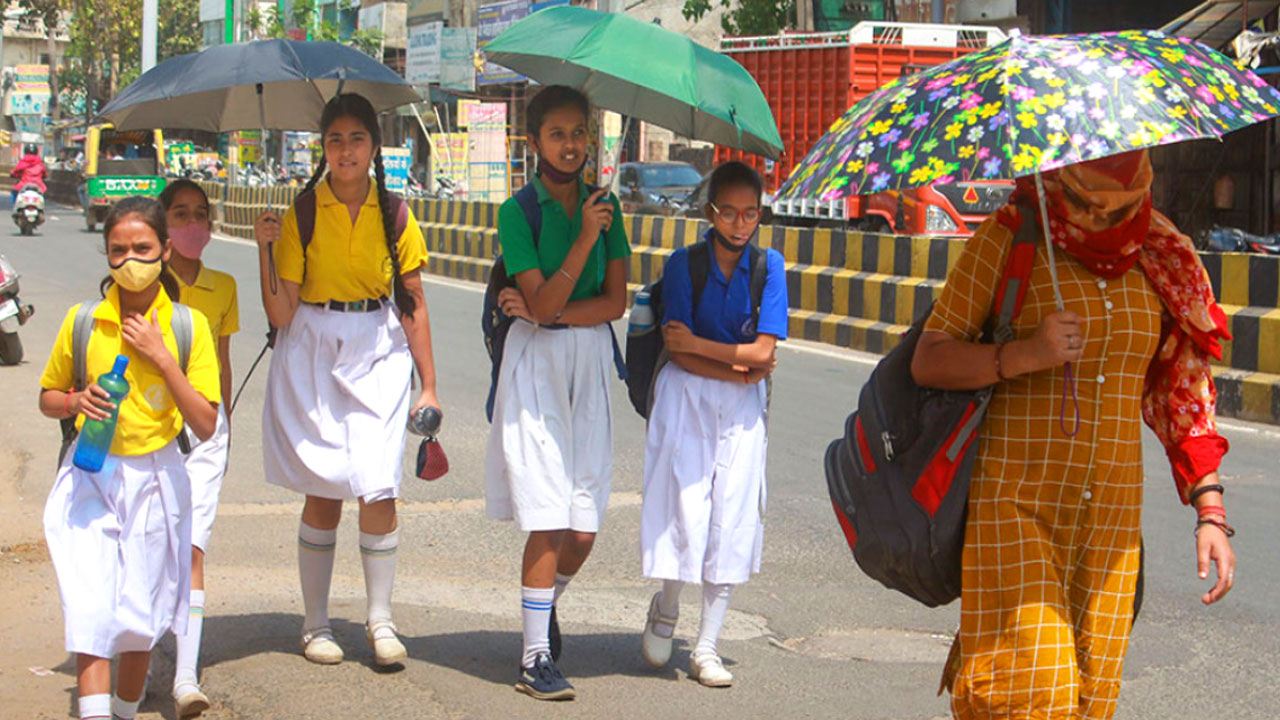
(549, 464)
(120, 541)
(206, 466)
(702, 519)
(337, 403)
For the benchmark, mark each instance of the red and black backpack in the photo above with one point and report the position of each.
(899, 478)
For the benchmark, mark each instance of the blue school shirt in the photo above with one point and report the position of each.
(724, 310)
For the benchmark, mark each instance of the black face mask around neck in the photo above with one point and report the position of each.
(727, 245)
(549, 172)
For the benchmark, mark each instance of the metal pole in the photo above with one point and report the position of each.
(149, 21)
(939, 11)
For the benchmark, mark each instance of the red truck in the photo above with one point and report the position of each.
(810, 79)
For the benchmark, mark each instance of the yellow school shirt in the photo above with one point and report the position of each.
(214, 295)
(149, 419)
(345, 261)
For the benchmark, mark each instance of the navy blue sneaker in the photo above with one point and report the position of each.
(544, 681)
(553, 635)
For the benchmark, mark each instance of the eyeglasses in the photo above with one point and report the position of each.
(731, 216)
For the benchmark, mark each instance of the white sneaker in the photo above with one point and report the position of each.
(387, 648)
(189, 701)
(319, 647)
(655, 648)
(709, 670)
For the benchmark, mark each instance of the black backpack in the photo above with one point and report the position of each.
(495, 324)
(899, 478)
(647, 352)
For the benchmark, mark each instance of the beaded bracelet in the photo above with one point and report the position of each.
(1220, 524)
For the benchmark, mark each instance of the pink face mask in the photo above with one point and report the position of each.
(190, 240)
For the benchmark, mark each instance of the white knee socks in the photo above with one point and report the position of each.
(535, 606)
(378, 556)
(95, 707)
(668, 606)
(315, 567)
(122, 710)
(715, 604)
(185, 672)
(562, 582)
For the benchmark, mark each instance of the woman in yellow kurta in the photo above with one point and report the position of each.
(1053, 538)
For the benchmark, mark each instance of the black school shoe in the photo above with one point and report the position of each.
(553, 635)
(544, 681)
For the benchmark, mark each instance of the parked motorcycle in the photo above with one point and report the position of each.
(12, 315)
(28, 209)
(1226, 239)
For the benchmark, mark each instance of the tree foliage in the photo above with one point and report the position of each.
(746, 17)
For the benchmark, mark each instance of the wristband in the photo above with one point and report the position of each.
(999, 368)
(66, 405)
(1206, 489)
(566, 274)
(746, 377)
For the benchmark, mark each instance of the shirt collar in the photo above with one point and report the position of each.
(325, 196)
(109, 308)
(204, 278)
(544, 195)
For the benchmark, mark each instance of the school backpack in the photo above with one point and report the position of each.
(647, 351)
(82, 330)
(495, 324)
(899, 478)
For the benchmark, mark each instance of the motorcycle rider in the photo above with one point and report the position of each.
(30, 170)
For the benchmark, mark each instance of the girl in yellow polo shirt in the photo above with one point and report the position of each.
(337, 399)
(120, 538)
(213, 294)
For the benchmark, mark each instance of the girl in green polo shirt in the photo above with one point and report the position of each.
(550, 456)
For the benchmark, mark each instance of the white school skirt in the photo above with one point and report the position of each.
(549, 464)
(337, 403)
(704, 479)
(206, 466)
(120, 540)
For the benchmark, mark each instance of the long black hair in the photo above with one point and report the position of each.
(151, 212)
(358, 108)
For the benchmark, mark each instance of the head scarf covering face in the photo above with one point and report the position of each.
(1099, 211)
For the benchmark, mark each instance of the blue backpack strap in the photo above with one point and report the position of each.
(527, 198)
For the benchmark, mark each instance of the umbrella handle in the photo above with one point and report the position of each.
(271, 268)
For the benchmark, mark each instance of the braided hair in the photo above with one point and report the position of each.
(360, 109)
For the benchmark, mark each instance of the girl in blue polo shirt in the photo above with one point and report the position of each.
(704, 487)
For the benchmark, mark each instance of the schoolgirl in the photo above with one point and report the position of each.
(120, 538)
(704, 469)
(550, 455)
(337, 399)
(212, 294)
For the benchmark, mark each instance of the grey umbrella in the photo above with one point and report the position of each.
(267, 84)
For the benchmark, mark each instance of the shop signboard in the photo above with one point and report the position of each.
(457, 59)
(422, 61)
(491, 20)
(395, 166)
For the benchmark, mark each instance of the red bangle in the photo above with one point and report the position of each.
(66, 405)
(999, 367)
(1212, 510)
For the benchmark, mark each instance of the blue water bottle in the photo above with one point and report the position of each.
(96, 435)
(641, 315)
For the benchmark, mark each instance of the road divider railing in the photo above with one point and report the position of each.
(850, 289)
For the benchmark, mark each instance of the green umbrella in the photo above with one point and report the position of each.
(642, 71)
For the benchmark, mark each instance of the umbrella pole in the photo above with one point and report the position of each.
(617, 155)
(1048, 243)
(1068, 373)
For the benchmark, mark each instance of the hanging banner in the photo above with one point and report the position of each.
(449, 160)
(457, 59)
(535, 7)
(491, 20)
(422, 61)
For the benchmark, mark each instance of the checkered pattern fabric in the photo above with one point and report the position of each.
(1051, 548)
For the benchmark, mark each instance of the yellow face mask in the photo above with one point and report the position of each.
(136, 275)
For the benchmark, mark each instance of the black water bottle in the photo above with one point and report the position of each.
(426, 421)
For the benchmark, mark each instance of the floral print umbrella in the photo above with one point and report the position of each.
(1031, 104)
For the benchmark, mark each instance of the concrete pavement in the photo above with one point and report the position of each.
(809, 637)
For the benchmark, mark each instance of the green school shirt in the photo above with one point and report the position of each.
(558, 234)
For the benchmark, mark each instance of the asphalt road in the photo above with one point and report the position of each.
(809, 637)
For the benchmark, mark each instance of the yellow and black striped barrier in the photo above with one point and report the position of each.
(851, 289)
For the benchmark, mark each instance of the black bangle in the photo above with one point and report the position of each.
(1200, 491)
